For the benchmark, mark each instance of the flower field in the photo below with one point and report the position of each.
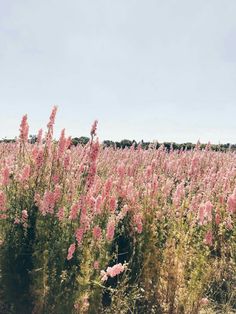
(88, 229)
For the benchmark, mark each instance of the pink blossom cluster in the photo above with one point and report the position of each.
(112, 271)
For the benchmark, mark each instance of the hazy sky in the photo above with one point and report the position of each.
(146, 69)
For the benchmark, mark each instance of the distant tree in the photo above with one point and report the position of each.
(32, 139)
(83, 140)
(108, 143)
(125, 143)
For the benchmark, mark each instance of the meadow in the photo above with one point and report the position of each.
(93, 229)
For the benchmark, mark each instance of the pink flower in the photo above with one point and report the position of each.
(96, 265)
(113, 204)
(39, 136)
(62, 144)
(48, 203)
(79, 235)
(112, 271)
(98, 203)
(115, 270)
(208, 210)
(201, 214)
(24, 214)
(39, 158)
(205, 213)
(138, 222)
(55, 179)
(25, 173)
(94, 128)
(110, 230)
(52, 117)
(61, 213)
(2, 201)
(74, 211)
(208, 238)
(5, 176)
(179, 194)
(24, 218)
(24, 129)
(71, 251)
(57, 193)
(123, 212)
(67, 161)
(97, 233)
(217, 218)
(232, 202)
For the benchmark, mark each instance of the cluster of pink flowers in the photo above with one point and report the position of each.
(112, 271)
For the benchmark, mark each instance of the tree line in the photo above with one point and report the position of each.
(125, 143)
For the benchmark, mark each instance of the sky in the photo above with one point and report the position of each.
(146, 69)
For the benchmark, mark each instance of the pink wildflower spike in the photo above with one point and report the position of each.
(61, 213)
(201, 214)
(48, 203)
(110, 230)
(68, 142)
(232, 202)
(25, 174)
(39, 158)
(94, 128)
(24, 129)
(2, 202)
(52, 117)
(97, 233)
(113, 204)
(98, 203)
(55, 179)
(71, 251)
(5, 176)
(57, 193)
(217, 219)
(208, 210)
(179, 194)
(208, 238)
(138, 223)
(74, 211)
(62, 144)
(40, 136)
(67, 161)
(79, 235)
(122, 213)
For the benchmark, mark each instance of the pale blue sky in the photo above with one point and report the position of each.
(146, 69)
